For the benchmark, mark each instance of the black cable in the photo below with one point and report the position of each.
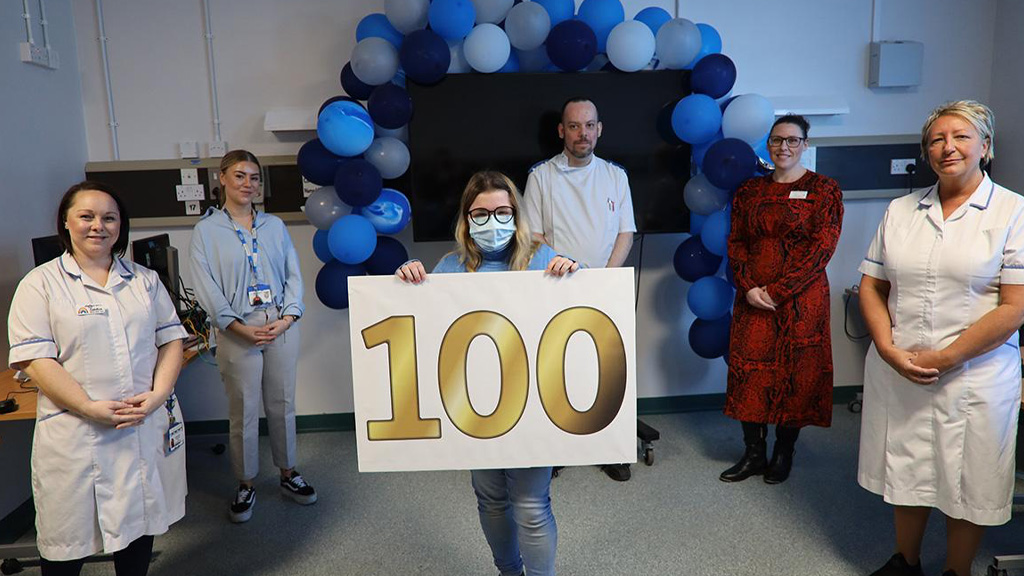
(846, 320)
(639, 270)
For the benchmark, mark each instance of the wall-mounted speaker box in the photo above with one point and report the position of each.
(894, 64)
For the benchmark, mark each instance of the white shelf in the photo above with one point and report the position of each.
(289, 120)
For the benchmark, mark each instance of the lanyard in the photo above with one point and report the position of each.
(251, 254)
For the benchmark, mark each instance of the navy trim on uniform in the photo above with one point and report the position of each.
(33, 341)
(172, 325)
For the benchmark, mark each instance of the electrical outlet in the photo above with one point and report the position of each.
(32, 54)
(188, 149)
(189, 176)
(192, 208)
(217, 149)
(898, 167)
(186, 192)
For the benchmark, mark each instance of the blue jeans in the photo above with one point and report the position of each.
(515, 513)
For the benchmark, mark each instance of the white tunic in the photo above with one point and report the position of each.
(97, 488)
(949, 445)
(580, 210)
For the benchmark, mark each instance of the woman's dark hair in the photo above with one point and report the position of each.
(795, 119)
(227, 161)
(121, 245)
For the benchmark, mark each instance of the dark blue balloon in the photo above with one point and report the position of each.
(377, 25)
(693, 261)
(332, 283)
(710, 297)
(390, 106)
(425, 57)
(710, 338)
(729, 162)
(572, 45)
(358, 183)
(353, 86)
(320, 246)
(389, 213)
(317, 164)
(714, 75)
(387, 257)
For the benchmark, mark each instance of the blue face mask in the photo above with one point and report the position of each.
(492, 236)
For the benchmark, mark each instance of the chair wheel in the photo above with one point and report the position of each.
(855, 406)
(218, 449)
(649, 456)
(10, 566)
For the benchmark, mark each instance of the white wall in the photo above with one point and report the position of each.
(272, 53)
(42, 152)
(1007, 88)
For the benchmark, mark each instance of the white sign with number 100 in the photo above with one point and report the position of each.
(494, 370)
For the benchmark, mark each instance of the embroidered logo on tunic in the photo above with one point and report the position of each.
(92, 309)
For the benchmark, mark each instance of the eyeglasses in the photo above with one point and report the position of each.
(503, 214)
(791, 141)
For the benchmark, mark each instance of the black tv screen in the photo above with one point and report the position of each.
(509, 122)
(46, 248)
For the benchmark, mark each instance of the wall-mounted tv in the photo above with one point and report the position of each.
(508, 122)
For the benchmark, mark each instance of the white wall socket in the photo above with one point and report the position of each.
(188, 149)
(35, 54)
(899, 166)
(186, 192)
(217, 149)
(189, 176)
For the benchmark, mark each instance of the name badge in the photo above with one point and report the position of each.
(798, 195)
(92, 310)
(175, 438)
(260, 296)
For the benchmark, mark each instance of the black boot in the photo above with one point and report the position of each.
(782, 455)
(754, 459)
(898, 566)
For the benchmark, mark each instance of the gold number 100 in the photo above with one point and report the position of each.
(399, 333)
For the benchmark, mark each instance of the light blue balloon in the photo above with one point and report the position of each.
(377, 25)
(407, 15)
(678, 41)
(390, 213)
(536, 60)
(324, 207)
(343, 130)
(452, 19)
(710, 298)
(390, 156)
(630, 46)
(715, 233)
(558, 10)
(749, 118)
(527, 25)
(352, 239)
(374, 61)
(710, 43)
(602, 16)
(458, 63)
(487, 48)
(654, 17)
(491, 11)
(696, 118)
(704, 198)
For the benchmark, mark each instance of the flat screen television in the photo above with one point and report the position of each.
(46, 248)
(157, 254)
(508, 122)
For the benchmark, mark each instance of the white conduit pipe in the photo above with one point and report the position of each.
(213, 74)
(43, 23)
(25, 15)
(106, 76)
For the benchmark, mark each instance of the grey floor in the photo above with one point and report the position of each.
(672, 518)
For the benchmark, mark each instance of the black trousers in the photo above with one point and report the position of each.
(132, 561)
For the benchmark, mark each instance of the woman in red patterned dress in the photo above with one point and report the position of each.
(785, 227)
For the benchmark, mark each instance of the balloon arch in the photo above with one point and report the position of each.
(358, 146)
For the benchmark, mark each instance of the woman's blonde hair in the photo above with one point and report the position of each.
(973, 112)
(522, 244)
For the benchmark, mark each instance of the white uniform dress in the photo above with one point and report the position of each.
(580, 210)
(97, 488)
(948, 445)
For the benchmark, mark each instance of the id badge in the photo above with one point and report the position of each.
(260, 296)
(175, 438)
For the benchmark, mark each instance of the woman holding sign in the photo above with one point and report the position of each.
(514, 504)
(247, 278)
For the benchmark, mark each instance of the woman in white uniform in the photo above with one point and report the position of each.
(943, 296)
(101, 339)
(247, 278)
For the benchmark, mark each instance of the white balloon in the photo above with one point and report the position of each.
(527, 25)
(630, 45)
(458, 64)
(389, 155)
(678, 43)
(407, 15)
(748, 117)
(702, 197)
(487, 48)
(491, 11)
(374, 61)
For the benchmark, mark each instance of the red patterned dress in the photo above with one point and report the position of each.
(780, 363)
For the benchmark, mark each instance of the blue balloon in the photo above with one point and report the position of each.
(389, 213)
(601, 16)
(654, 17)
(696, 223)
(353, 86)
(345, 128)
(536, 60)
(332, 283)
(558, 10)
(696, 118)
(387, 257)
(572, 45)
(334, 99)
(715, 233)
(710, 338)
(425, 57)
(692, 260)
(714, 75)
(512, 64)
(710, 43)
(729, 162)
(452, 19)
(710, 297)
(317, 164)
(320, 246)
(352, 239)
(377, 25)
(358, 182)
(390, 106)
(700, 150)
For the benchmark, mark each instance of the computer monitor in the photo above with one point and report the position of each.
(157, 254)
(46, 248)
